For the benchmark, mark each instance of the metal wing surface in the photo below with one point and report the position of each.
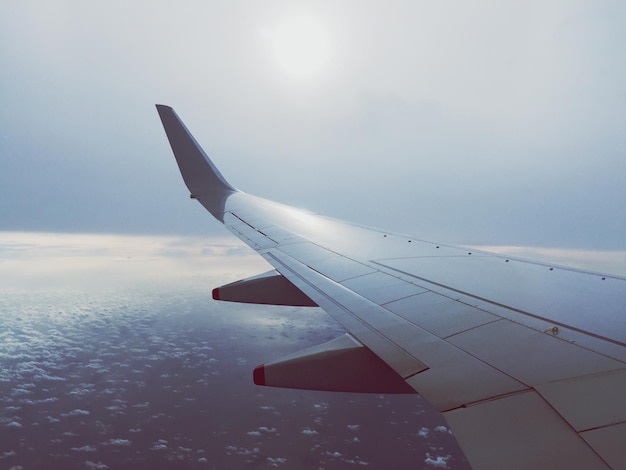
(526, 361)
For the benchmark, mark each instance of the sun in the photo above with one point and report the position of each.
(300, 46)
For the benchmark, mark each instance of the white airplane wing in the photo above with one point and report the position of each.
(526, 361)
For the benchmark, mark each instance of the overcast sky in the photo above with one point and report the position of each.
(484, 122)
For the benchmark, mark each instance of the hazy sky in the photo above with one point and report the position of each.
(483, 122)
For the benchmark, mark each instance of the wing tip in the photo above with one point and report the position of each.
(201, 176)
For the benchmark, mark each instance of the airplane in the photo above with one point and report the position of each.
(525, 360)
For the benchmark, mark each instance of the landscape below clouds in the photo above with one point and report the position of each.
(114, 355)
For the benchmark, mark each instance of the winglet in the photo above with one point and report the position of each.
(201, 176)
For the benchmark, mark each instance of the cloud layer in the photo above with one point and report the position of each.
(484, 123)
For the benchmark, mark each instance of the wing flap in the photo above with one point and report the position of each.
(519, 432)
(572, 399)
(609, 443)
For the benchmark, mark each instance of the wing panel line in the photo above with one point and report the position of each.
(508, 307)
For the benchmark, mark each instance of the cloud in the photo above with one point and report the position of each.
(267, 430)
(115, 408)
(497, 115)
(242, 450)
(96, 465)
(76, 412)
(118, 442)
(275, 461)
(81, 391)
(84, 449)
(439, 461)
(35, 402)
(100, 262)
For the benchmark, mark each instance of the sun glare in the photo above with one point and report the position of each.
(300, 46)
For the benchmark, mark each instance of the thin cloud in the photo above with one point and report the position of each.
(91, 261)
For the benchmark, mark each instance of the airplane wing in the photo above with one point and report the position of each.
(526, 361)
